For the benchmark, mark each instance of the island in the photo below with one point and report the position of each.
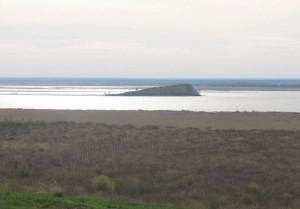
(174, 90)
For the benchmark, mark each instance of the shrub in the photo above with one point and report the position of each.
(247, 199)
(253, 188)
(58, 194)
(97, 170)
(103, 183)
(186, 181)
(111, 173)
(212, 201)
(23, 174)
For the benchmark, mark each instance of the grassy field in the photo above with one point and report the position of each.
(30, 201)
(181, 119)
(153, 164)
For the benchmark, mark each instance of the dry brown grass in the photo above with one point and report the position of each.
(183, 119)
(243, 168)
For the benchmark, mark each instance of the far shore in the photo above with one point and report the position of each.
(209, 88)
(183, 119)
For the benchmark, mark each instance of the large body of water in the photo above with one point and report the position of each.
(93, 98)
(274, 84)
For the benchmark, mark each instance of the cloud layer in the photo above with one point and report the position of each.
(159, 38)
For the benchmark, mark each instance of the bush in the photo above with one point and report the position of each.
(58, 194)
(253, 188)
(23, 174)
(212, 201)
(103, 183)
(247, 199)
(186, 181)
(111, 173)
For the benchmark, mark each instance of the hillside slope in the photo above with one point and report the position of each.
(174, 90)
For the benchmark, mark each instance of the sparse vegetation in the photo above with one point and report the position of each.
(165, 165)
(213, 201)
(286, 199)
(174, 90)
(58, 194)
(30, 201)
(247, 199)
(103, 183)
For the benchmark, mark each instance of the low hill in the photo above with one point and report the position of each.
(174, 90)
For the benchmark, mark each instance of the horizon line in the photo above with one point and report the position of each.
(153, 78)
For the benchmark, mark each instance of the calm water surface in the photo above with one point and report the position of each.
(92, 98)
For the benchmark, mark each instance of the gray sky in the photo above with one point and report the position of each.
(143, 38)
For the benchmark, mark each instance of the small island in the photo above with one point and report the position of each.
(174, 90)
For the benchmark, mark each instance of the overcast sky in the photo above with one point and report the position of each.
(150, 38)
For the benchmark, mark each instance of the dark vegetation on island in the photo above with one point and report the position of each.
(155, 164)
(174, 90)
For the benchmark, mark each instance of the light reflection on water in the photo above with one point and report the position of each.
(91, 99)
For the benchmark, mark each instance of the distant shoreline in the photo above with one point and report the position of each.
(183, 119)
(95, 87)
(244, 89)
(212, 84)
